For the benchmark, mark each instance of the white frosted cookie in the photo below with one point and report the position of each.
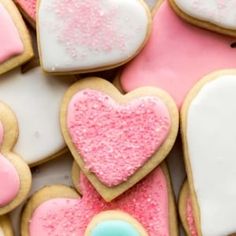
(35, 99)
(209, 131)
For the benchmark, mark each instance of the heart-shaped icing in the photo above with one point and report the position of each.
(88, 35)
(209, 139)
(164, 62)
(28, 7)
(10, 41)
(67, 216)
(115, 140)
(217, 12)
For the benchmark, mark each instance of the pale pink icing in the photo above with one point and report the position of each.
(190, 218)
(147, 202)
(10, 41)
(9, 181)
(177, 56)
(115, 140)
(29, 7)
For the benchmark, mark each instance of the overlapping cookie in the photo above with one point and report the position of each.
(90, 35)
(28, 9)
(15, 42)
(117, 139)
(216, 15)
(208, 132)
(5, 226)
(35, 98)
(177, 56)
(58, 210)
(15, 175)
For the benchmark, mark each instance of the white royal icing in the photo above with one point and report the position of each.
(1, 232)
(35, 98)
(86, 34)
(151, 3)
(211, 137)
(218, 12)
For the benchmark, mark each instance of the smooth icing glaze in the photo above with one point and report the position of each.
(29, 7)
(86, 34)
(211, 133)
(116, 140)
(10, 41)
(190, 218)
(35, 98)
(9, 181)
(114, 228)
(1, 232)
(171, 58)
(218, 12)
(71, 216)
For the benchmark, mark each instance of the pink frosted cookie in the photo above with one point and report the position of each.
(61, 212)
(208, 134)
(15, 175)
(117, 139)
(15, 42)
(28, 9)
(216, 15)
(5, 226)
(177, 56)
(90, 35)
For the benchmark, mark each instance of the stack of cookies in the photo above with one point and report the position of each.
(111, 84)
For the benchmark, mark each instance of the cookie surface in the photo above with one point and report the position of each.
(35, 98)
(15, 42)
(208, 129)
(164, 62)
(90, 35)
(15, 175)
(5, 226)
(55, 214)
(213, 15)
(115, 137)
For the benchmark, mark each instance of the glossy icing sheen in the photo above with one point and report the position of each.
(218, 12)
(114, 228)
(116, 140)
(9, 181)
(190, 218)
(10, 41)
(35, 99)
(83, 34)
(29, 7)
(211, 133)
(171, 58)
(67, 216)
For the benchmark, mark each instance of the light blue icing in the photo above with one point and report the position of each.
(114, 228)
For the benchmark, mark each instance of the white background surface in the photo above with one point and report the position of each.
(58, 171)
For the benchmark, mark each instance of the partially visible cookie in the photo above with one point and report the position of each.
(58, 210)
(5, 226)
(15, 175)
(117, 139)
(15, 42)
(215, 15)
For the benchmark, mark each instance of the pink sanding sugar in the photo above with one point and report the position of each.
(115, 140)
(147, 202)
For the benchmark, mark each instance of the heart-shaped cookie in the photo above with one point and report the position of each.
(117, 139)
(164, 62)
(15, 175)
(28, 9)
(216, 15)
(90, 35)
(57, 210)
(15, 42)
(208, 132)
(5, 226)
